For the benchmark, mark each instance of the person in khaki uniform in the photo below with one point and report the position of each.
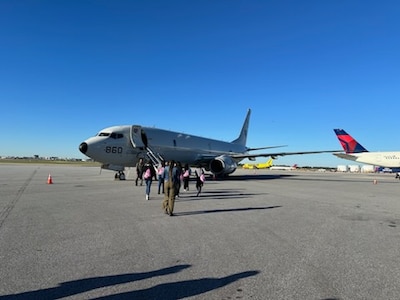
(165, 176)
(169, 188)
(139, 171)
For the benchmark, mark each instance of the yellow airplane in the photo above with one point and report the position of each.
(265, 165)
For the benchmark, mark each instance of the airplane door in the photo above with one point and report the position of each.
(136, 137)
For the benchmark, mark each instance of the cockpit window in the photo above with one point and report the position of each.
(104, 134)
(112, 135)
(116, 135)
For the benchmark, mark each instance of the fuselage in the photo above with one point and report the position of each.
(118, 147)
(383, 159)
(124, 145)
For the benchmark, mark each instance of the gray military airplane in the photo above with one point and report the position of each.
(118, 147)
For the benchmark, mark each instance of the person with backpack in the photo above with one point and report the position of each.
(186, 177)
(200, 179)
(148, 174)
(170, 171)
(160, 172)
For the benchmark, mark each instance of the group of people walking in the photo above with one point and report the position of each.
(169, 175)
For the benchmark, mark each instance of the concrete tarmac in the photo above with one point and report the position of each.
(258, 235)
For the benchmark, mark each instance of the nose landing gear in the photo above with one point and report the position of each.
(120, 175)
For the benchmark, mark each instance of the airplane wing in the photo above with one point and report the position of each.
(268, 147)
(276, 154)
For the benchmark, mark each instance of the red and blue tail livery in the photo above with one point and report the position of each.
(349, 144)
(355, 152)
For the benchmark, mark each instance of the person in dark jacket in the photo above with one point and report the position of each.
(161, 177)
(200, 179)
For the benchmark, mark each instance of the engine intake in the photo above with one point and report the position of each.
(223, 165)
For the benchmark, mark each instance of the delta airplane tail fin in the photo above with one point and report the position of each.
(349, 144)
(242, 139)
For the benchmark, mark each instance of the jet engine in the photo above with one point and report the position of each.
(223, 165)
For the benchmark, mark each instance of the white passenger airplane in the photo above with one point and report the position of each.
(121, 146)
(285, 168)
(355, 152)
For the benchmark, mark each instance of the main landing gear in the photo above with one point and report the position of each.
(120, 175)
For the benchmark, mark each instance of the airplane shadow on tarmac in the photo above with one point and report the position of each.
(214, 194)
(165, 291)
(250, 177)
(222, 210)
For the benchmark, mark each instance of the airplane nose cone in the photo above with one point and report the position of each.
(83, 147)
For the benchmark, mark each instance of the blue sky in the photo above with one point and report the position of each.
(71, 68)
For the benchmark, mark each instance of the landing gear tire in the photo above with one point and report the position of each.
(120, 176)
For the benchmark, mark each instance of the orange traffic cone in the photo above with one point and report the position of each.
(49, 180)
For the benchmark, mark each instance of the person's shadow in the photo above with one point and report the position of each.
(181, 289)
(165, 291)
